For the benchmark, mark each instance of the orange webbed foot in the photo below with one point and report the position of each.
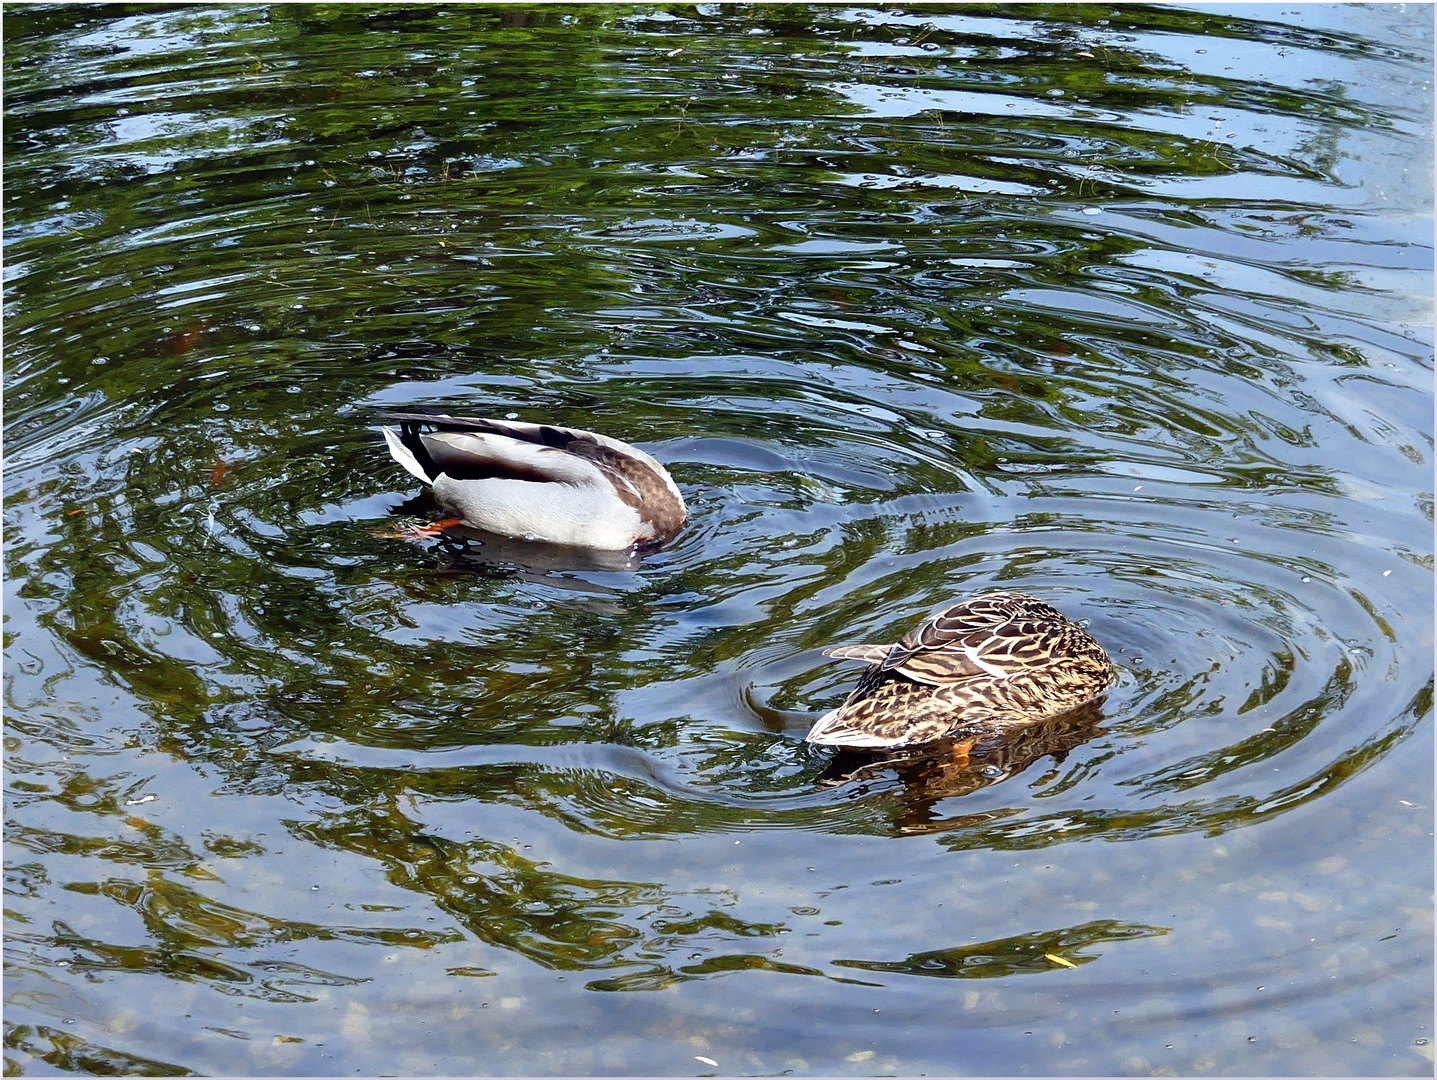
(959, 751)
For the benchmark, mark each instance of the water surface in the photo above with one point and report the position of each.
(1128, 308)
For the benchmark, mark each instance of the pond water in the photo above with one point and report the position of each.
(1129, 308)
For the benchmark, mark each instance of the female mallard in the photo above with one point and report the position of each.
(992, 663)
(539, 481)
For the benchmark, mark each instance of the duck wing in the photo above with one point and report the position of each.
(474, 448)
(572, 440)
(988, 637)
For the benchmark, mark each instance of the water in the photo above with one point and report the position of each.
(1130, 309)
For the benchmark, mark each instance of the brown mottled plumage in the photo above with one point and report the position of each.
(988, 664)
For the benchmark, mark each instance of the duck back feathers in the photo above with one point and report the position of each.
(983, 665)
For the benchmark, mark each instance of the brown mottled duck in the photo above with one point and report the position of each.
(984, 666)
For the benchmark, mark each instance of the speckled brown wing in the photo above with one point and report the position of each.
(890, 713)
(980, 636)
(991, 662)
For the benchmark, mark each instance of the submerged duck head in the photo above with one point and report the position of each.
(539, 481)
(984, 666)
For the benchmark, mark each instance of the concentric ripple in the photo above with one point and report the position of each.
(1130, 310)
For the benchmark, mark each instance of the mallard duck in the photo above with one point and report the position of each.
(988, 664)
(539, 481)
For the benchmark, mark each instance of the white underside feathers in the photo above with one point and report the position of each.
(558, 513)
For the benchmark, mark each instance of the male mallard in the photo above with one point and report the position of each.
(992, 663)
(539, 481)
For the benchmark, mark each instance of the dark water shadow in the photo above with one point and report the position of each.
(487, 554)
(1022, 954)
(950, 768)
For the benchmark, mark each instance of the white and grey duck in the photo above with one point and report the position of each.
(981, 667)
(539, 481)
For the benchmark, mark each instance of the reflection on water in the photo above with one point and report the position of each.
(476, 551)
(1126, 309)
(1025, 954)
(935, 772)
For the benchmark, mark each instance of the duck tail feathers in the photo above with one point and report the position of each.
(404, 456)
(871, 654)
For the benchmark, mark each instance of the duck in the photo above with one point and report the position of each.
(541, 482)
(985, 666)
